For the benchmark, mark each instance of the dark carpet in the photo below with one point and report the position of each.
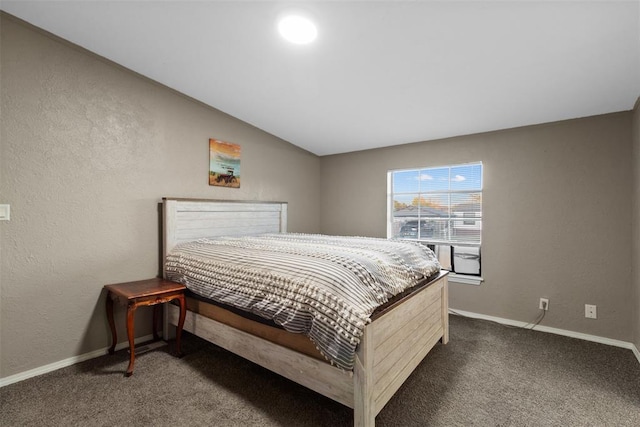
(488, 375)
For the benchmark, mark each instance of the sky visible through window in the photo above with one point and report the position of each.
(434, 185)
(440, 205)
(457, 178)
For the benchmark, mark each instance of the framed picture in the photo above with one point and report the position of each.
(465, 260)
(224, 164)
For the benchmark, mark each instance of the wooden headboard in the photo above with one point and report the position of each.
(184, 220)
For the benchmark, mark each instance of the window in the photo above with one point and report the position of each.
(440, 207)
(468, 215)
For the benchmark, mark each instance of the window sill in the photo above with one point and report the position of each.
(465, 279)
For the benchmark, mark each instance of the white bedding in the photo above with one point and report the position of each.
(326, 287)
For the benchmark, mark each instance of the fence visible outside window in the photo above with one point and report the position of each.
(438, 206)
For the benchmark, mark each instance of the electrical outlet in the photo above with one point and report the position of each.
(544, 304)
(590, 311)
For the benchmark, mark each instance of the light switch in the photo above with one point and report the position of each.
(5, 212)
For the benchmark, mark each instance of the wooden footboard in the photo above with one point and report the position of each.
(391, 348)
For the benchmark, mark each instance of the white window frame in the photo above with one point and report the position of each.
(463, 222)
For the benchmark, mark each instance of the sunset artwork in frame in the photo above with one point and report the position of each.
(224, 164)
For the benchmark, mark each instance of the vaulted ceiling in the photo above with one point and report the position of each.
(379, 73)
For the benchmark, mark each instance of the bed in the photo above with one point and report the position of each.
(391, 346)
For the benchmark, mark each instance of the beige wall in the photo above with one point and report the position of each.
(557, 217)
(636, 220)
(88, 149)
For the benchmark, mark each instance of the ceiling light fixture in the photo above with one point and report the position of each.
(297, 29)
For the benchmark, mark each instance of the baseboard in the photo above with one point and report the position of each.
(636, 352)
(101, 352)
(557, 331)
(67, 362)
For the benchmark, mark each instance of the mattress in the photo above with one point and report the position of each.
(326, 287)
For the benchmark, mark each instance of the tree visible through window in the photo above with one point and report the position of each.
(439, 206)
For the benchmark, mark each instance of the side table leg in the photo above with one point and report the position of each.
(156, 318)
(112, 324)
(131, 311)
(183, 314)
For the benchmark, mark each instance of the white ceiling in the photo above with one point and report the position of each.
(380, 72)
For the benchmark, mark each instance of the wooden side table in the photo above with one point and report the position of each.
(142, 293)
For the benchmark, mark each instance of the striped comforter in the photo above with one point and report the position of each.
(326, 287)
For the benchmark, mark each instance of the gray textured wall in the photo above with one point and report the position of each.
(636, 220)
(557, 217)
(88, 149)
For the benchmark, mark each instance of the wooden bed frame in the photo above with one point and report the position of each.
(392, 345)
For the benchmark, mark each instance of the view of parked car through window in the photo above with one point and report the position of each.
(409, 229)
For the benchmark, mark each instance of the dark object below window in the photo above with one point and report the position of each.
(466, 260)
